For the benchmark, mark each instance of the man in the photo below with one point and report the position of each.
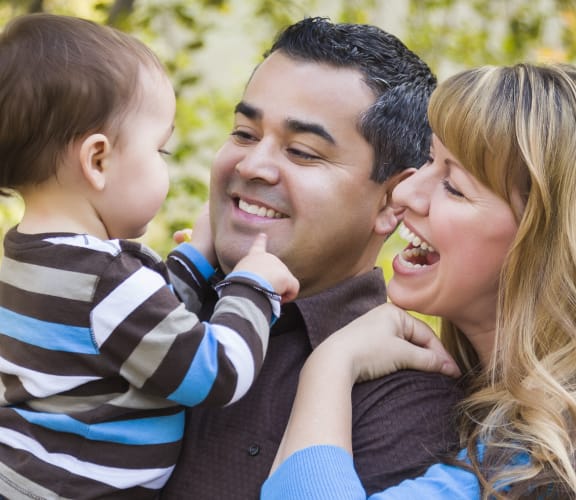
(329, 122)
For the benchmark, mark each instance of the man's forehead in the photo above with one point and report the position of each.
(310, 75)
(306, 96)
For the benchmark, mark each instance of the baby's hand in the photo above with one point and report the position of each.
(183, 235)
(271, 268)
(201, 237)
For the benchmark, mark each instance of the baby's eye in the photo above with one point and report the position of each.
(164, 152)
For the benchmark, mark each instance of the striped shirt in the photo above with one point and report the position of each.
(99, 357)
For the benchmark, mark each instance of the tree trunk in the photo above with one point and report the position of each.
(36, 6)
(119, 10)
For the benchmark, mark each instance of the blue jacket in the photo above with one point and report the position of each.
(327, 473)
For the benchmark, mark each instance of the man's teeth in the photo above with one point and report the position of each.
(414, 240)
(259, 210)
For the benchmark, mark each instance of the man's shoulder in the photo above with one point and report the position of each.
(406, 394)
(329, 310)
(402, 423)
(410, 385)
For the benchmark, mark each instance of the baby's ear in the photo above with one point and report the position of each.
(94, 155)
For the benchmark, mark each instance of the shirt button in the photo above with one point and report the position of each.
(253, 450)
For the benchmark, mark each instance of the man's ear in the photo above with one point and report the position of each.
(388, 218)
(94, 156)
(390, 215)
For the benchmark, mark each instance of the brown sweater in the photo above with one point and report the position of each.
(401, 422)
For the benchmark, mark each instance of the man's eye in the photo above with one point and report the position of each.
(242, 136)
(302, 154)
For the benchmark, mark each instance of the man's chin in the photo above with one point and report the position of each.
(234, 245)
(230, 255)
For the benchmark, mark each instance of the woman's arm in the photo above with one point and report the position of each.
(327, 473)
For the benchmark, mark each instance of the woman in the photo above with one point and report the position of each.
(491, 225)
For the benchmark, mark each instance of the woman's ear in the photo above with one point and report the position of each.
(94, 157)
(390, 215)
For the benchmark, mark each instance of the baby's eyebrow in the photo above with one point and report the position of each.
(169, 132)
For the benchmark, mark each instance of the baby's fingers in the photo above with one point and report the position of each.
(182, 235)
(292, 289)
(259, 244)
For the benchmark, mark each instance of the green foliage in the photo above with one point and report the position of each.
(454, 34)
(187, 36)
(11, 210)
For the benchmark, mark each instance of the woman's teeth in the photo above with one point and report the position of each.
(414, 240)
(419, 253)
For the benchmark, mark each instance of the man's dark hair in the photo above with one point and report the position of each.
(396, 124)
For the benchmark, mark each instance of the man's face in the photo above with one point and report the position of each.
(296, 168)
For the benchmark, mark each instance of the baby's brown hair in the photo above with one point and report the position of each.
(61, 78)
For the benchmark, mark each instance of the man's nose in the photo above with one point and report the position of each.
(261, 163)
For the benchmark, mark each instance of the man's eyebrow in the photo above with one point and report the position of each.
(248, 111)
(292, 124)
(310, 128)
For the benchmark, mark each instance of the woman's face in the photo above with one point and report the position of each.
(459, 232)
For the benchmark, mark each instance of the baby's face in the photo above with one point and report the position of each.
(137, 179)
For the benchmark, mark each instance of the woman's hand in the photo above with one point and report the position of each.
(380, 342)
(385, 340)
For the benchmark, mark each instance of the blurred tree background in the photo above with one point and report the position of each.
(211, 46)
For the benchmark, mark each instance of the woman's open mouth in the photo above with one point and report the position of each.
(418, 253)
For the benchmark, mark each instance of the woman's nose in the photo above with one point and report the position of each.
(415, 191)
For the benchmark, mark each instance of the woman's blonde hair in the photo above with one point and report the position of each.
(514, 128)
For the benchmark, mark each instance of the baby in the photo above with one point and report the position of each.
(98, 354)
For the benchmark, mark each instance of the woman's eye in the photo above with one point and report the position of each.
(450, 189)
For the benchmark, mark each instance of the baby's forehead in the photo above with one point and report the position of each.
(152, 84)
(153, 100)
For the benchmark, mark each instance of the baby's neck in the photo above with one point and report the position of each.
(50, 209)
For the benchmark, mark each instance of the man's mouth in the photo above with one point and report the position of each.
(259, 210)
(418, 253)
